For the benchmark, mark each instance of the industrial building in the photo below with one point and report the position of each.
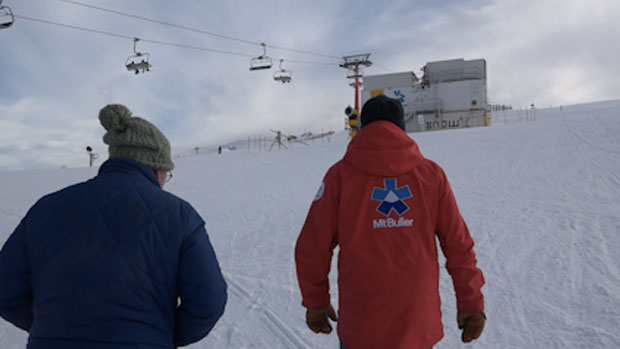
(450, 94)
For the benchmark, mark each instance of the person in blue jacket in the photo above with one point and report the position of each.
(114, 262)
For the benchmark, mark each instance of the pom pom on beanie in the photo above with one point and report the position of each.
(134, 138)
(115, 117)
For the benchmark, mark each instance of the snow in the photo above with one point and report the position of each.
(541, 198)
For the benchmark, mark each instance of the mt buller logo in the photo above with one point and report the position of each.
(391, 197)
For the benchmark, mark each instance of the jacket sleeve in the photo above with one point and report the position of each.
(458, 248)
(315, 244)
(201, 288)
(15, 289)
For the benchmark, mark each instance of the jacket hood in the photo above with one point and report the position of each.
(383, 149)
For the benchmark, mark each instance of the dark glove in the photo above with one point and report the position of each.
(318, 319)
(472, 325)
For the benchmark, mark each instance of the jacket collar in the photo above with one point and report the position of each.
(125, 165)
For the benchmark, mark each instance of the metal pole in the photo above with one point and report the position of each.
(353, 63)
(357, 93)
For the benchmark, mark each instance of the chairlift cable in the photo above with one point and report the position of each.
(382, 67)
(310, 62)
(132, 37)
(304, 52)
(160, 22)
(75, 27)
(195, 47)
(158, 42)
(195, 30)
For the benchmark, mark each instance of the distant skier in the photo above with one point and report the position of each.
(114, 262)
(385, 204)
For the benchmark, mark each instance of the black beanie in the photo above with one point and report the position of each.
(383, 108)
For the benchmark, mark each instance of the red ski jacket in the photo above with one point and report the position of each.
(384, 204)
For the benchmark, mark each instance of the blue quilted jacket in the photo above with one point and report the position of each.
(114, 262)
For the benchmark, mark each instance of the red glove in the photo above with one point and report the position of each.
(318, 319)
(472, 325)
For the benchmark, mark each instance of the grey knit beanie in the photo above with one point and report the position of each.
(134, 138)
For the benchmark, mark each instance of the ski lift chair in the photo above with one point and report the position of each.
(6, 16)
(261, 62)
(282, 75)
(139, 62)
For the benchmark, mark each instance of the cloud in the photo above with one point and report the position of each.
(530, 45)
(43, 133)
(54, 80)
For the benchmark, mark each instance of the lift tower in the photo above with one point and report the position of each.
(353, 63)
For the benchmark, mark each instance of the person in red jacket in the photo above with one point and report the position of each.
(384, 205)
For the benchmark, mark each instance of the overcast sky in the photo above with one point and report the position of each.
(54, 80)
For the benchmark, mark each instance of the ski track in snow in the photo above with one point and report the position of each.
(541, 199)
(287, 336)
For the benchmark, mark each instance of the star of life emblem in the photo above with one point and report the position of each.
(391, 197)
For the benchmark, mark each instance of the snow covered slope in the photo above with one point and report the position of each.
(541, 197)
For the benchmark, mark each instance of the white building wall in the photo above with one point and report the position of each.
(390, 81)
(452, 94)
(462, 95)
